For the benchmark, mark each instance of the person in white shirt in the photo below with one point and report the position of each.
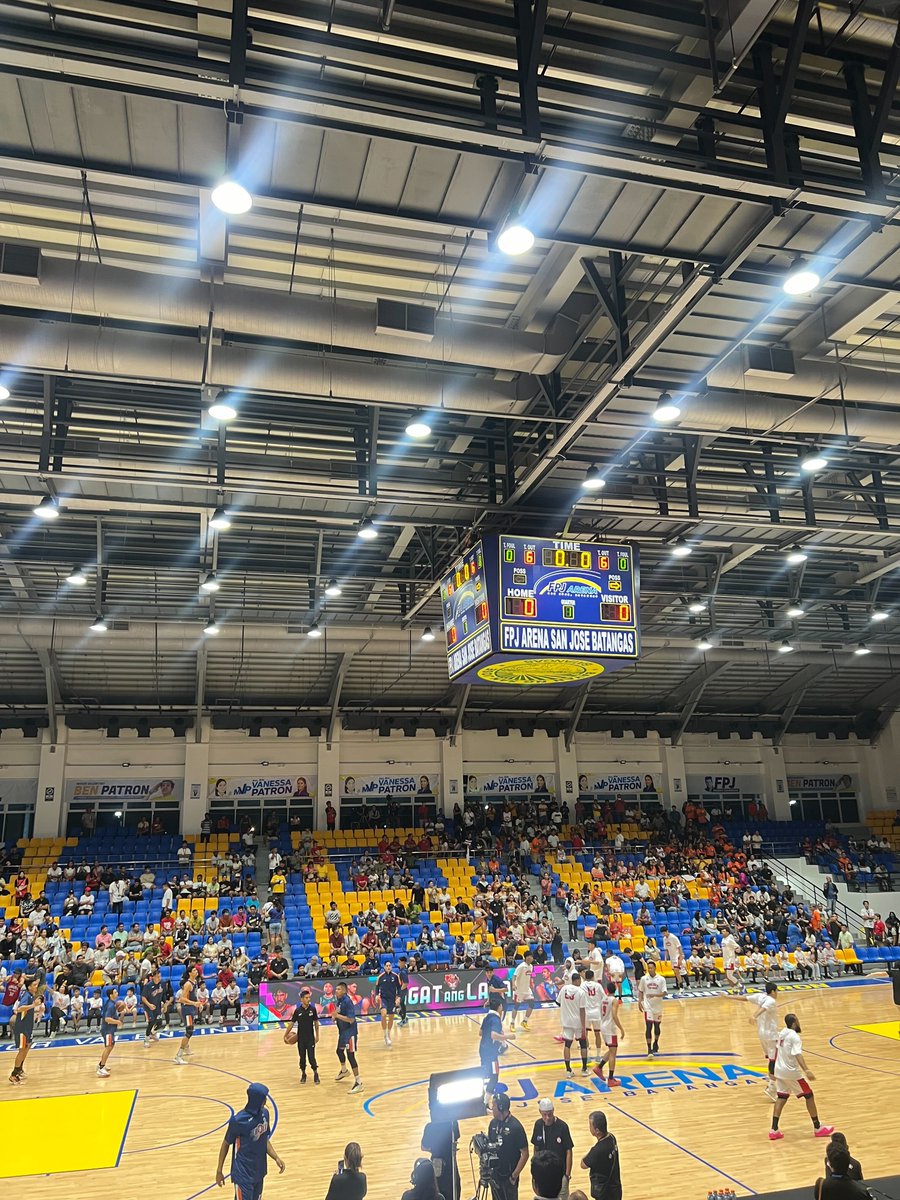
(131, 1007)
(651, 994)
(612, 1031)
(232, 1000)
(792, 1078)
(202, 997)
(118, 890)
(615, 971)
(76, 1009)
(572, 1000)
(675, 954)
(573, 912)
(523, 995)
(593, 996)
(730, 951)
(95, 1009)
(217, 1002)
(766, 1019)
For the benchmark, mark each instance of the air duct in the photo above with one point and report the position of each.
(812, 379)
(163, 358)
(116, 293)
(718, 412)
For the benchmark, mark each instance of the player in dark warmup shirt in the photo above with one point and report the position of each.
(109, 1023)
(403, 976)
(306, 1022)
(387, 988)
(345, 1020)
(23, 1026)
(152, 996)
(189, 1006)
(248, 1136)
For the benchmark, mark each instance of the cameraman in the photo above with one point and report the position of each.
(512, 1149)
(439, 1140)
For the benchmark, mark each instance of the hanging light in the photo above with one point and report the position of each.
(785, 648)
(515, 238)
(667, 410)
(594, 480)
(814, 461)
(222, 409)
(4, 392)
(99, 625)
(681, 549)
(221, 519)
(77, 577)
(697, 607)
(333, 589)
(210, 583)
(368, 531)
(796, 555)
(314, 631)
(231, 197)
(795, 610)
(427, 634)
(862, 649)
(879, 614)
(211, 628)
(801, 278)
(46, 509)
(704, 642)
(419, 427)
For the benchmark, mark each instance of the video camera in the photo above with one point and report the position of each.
(488, 1156)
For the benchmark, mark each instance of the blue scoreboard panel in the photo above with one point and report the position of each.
(523, 610)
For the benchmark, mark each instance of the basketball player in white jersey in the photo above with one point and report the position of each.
(615, 971)
(651, 994)
(523, 995)
(593, 995)
(792, 1077)
(571, 1000)
(766, 1018)
(730, 951)
(613, 1033)
(675, 954)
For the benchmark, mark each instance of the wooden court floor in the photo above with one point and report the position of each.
(696, 1114)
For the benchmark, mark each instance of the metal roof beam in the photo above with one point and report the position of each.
(581, 700)
(695, 697)
(461, 703)
(799, 681)
(334, 698)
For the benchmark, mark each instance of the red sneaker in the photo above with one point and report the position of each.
(775, 1135)
(824, 1131)
(613, 1082)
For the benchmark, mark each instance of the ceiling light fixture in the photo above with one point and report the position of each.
(795, 610)
(515, 238)
(667, 410)
(333, 589)
(879, 614)
(862, 649)
(77, 577)
(785, 648)
(314, 631)
(796, 555)
(368, 531)
(801, 278)
(4, 392)
(231, 197)
(681, 549)
(222, 409)
(697, 607)
(99, 625)
(221, 519)
(594, 480)
(704, 642)
(210, 583)
(211, 628)
(46, 509)
(427, 634)
(419, 427)
(814, 461)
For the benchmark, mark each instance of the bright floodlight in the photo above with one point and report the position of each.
(419, 427)
(314, 631)
(222, 409)
(785, 648)
(99, 625)
(231, 197)
(797, 555)
(211, 628)
(4, 392)
(862, 649)
(795, 610)
(427, 634)
(459, 1090)
(697, 607)
(367, 531)
(47, 509)
(667, 410)
(221, 519)
(76, 577)
(816, 461)
(704, 642)
(879, 614)
(333, 589)
(210, 583)
(593, 481)
(681, 549)
(515, 239)
(801, 279)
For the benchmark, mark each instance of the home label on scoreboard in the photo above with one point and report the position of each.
(523, 610)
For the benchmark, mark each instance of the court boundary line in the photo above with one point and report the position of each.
(134, 1096)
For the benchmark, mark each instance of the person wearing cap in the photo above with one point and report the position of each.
(249, 1137)
(552, 1136)
(512, 1155)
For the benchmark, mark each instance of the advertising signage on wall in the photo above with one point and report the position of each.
(722, 779)
(624, 781)
(401, 784)
(150, 787)
(287, 787)
(837, 781)
(17, 791)
(494, 784)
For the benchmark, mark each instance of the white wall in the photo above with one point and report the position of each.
(88, 755)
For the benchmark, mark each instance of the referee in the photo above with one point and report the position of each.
(306, 1020)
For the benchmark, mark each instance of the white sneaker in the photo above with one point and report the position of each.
(182, 1062)
(357, 1087)
(342, 1074)
(387, 1040)
(103, 1073)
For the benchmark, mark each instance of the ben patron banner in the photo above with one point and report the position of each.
(286, 787)
(390, 785)
(838, 782)
(499, 785)
(149, 788)
(636, 781)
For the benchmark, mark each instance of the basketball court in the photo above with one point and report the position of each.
(696, 1114)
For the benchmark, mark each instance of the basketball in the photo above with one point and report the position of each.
(290, 1037)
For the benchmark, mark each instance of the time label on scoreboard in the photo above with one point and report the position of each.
(562, 597)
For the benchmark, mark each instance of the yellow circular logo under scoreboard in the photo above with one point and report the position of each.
(525, 672)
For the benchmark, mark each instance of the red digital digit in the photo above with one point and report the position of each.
(451, 635)
(529, 558)
(624, 612)
(530, 607)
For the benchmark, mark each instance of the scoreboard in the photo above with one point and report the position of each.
(524, 610)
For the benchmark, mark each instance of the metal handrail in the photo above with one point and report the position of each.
(850, 918)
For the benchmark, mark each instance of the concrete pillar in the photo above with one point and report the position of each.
(674, 783)
(775, 787)
(196, 779)
(451, 773)
(328, 786)
(566, 773)
(48, 810)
